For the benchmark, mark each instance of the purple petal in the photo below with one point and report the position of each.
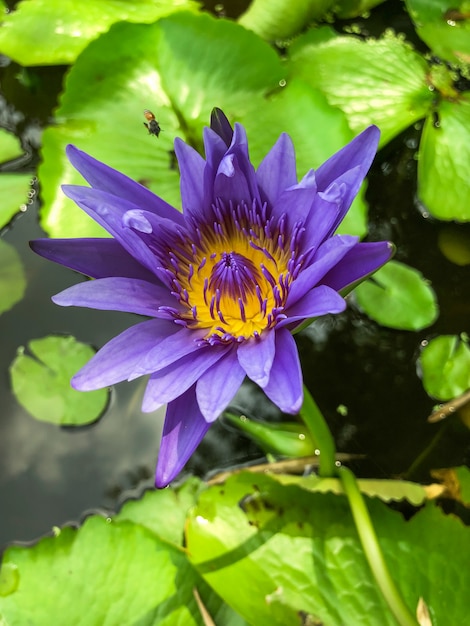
(322, 220)
(192, 167)
(359, 152)
(105, 178)
(328, 255)
(277, 170)
(118, 358)
(285, 381)
(217, 387)
(97, 258)
(297, 201)
(256, 357)
(117, 294)
(109, 210)
(170, 350)
(221, 126)
(183, 430)
(319, 301)
(358, 263)
(174, 380)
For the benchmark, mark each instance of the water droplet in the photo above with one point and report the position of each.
(301, 437)
(317, 452)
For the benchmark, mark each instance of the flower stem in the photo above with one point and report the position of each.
(372, 550)
(321, 435)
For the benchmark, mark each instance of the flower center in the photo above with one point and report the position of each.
(235, 277)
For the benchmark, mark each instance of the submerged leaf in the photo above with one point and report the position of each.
(41, 383)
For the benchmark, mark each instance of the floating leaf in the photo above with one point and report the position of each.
(355, 8)
(163, 511)
(463, 476)
(110, 572)
(445, 367)
(10, 147)
(444, 25)
(14, 194)
(41, 383)
(179, 68)
(444, 161)
(279, 19)
(273, 552)
(389, 89)
(56, 31)
(12, 277)
(398, 296)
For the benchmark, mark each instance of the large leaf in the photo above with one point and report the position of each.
(274, 552)
(445, 366)
(105, 573)
(41, 383)
(445, 27)
(12, 277)
(278, 19)
(180, 68)
(398, 296)
(56, 31)
(444, 162)
(380, 82)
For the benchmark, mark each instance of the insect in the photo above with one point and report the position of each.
(152, 126)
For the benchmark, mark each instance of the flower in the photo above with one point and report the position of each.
(252, 257)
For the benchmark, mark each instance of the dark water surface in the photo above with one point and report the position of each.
(51, 475)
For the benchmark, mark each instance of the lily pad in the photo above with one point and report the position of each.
(180, 68)
(445, 366)
(454, 243)
(10, 147)
(444, 25)
(41, 383)
(12, 277)
(444, 162)
(14, 193)
(380, 82)
(113, 573)
(398, 296)
(56, 31)
(275, 552)
(279, 19)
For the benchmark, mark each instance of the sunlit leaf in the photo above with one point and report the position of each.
(274, 551)
(380, 82)
(444, 25)
(398, 296)
(163, 511)
(444, 162)
(54, 32)
(279, 19)
(14, 194)
(12, 277)
(106, 573)
(354, 8)
(10, 147)
(180, 68)
(463, 476)
(41, 382)
(445, 366)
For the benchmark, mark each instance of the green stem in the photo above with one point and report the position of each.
(321, 435)
(372, 550)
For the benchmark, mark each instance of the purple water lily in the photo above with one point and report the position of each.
(252, 257)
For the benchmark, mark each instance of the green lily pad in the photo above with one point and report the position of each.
(280, 19)
(14, 193)
(180, 68)
(444, 25)
(10, 146)
(380, 82)
(445, 366)
(112, 573)
(274, 552)
(398, 296)
(163, 511)
(56, 31)
(444, 162)
(354, 8)
(12, 277)
(463, 477)
(41, 383)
